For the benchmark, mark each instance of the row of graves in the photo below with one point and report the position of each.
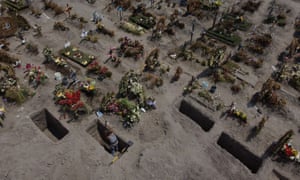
(131, 99)
(73, 95)
(11, 88)
(200, 101)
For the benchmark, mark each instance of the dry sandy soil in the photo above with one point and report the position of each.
(167, 144)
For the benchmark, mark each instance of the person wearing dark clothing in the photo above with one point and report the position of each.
(113, 142)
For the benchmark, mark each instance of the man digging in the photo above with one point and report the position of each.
(113, 142)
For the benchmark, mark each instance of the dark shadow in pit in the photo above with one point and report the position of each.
(97, 130)
(196, 115)
(49, 125)
(240, 152)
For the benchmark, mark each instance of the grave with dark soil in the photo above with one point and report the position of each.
(240, 152)
(49, 125)
(196, 115)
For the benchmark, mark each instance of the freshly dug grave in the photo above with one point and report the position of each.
(188, 109)
(97, 130)
(49, 125)
(240, 152)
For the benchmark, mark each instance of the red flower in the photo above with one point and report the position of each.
(103, 70)
(74, 97)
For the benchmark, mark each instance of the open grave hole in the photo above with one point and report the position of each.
(98, 131)
(49, 125)
(196, 115)
(240, 152)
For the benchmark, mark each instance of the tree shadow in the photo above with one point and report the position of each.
(282, 56)
(269, 151)
(224, 115)
(297, 34)
(253, 100)
(174, 79)
(252, 134)
(205, 73)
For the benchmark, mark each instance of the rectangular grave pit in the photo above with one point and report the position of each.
(49, 125)
(196, 115)
(97, 130)
(250, 160)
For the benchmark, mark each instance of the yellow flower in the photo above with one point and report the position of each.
(60, 94)
(2, 109)
(91, 88)
(218, 2)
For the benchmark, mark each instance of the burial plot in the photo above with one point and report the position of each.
(77, 55)
(16, 5)
(250, 160)
(98, 131)
(195, 113)
(49, 125)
